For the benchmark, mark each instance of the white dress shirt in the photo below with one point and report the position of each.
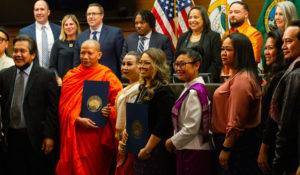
(189, 135)
(146, 41)
(98, 32)
(50, 37)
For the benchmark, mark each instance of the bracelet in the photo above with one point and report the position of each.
(227, 149)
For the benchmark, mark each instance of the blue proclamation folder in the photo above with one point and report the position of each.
(137, 127)
(94, 98)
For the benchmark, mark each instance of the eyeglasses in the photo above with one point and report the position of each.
(92, 14)
(2, 39)
(181, 64)
(144, 63)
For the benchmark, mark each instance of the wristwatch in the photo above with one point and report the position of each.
(228, 149)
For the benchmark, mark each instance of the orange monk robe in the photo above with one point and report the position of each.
(85, 151)
(255, 37)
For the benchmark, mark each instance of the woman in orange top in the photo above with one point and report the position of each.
(236, 109)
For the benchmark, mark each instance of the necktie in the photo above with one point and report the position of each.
(44, 47)
(95, 35)
(17, 101)
(141, 45)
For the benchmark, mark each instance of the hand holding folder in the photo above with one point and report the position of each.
(136, 127)
(94, 98)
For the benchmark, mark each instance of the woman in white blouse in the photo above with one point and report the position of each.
(191, 118)
(130, 71)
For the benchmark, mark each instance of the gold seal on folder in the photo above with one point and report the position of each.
(137, 129)
(94, 103)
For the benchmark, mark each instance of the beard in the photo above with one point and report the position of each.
(237, 23)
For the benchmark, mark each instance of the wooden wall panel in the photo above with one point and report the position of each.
(255, 7)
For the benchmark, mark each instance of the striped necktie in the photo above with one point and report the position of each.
(45, 60)
(141, 44)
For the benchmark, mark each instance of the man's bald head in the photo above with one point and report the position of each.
(90, 53)
(93, 43)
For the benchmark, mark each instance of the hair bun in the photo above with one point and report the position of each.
(198, 49)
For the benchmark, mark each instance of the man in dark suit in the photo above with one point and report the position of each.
(42, 30)
(110, 38)
(29, 110)
(144, 23)
(285, 106)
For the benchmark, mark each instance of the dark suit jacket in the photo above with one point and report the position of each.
(40, 104)
(111, 41)
(30, 30)
(157, 40)
(211, 43)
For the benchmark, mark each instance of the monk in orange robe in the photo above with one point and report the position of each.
(85, 148)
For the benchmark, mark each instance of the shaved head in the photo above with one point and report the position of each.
(90, 53)
(93, 43)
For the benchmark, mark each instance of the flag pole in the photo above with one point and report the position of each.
(175, 20)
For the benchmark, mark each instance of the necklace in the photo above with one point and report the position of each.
(195, 37)
(70, 43)
(141, 95)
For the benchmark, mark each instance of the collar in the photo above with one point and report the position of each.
(146, 36)
(196, 80)
(241, 28)
(27, 70)
(97, 30)
(3, 56)
(39, 26)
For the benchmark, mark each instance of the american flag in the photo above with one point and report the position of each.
(169, 21)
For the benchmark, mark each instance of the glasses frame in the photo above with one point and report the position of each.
(183, 64)
(93, 14)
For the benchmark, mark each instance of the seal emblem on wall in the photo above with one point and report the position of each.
(269, 17)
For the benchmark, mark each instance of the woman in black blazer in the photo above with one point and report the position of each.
(200, 33)
(61, 57)
(154, 90)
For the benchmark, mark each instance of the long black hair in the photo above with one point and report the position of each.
(278, 64)
(243, 54)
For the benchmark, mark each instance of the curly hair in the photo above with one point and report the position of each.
(147, 16)
(162, 75)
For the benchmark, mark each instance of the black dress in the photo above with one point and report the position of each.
(269, 126)
(61, 58)
(161, 161)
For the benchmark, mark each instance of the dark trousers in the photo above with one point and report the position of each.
(23, 158)
(3, 161)
(243, 157)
